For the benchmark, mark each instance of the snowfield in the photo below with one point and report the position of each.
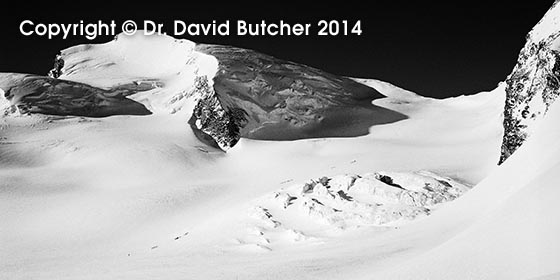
(142, 197)
(507, 223)
(105, 197)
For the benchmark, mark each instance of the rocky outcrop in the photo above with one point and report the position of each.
(317, 210)
(534, 83)
(56, 71)
(212, 123)
(350, 200)
(418, 189)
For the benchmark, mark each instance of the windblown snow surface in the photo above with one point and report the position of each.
(140, 197)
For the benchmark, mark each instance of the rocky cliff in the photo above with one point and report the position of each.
(211, 122)
(534, 83)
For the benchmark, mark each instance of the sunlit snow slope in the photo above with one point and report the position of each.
(141, 196)
(512, 217)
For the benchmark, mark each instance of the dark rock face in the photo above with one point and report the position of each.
(57, 68)
(272, 99)
(532, 87)
(39, 94)
(211, 122)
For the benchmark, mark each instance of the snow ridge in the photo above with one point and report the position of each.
(177, 76)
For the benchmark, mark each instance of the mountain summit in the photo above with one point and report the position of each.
(226, 92)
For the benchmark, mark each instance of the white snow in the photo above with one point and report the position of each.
(509, 225)
(389, 90)
(161, 61)
(326, 208)
(139, 197)
(548, 25)
(4, 103)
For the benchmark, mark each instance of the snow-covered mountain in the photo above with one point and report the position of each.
(236, 92)
(113, 168)
(282, 100)
(127, 181)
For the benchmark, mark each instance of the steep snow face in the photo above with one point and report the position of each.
(390, 90)
(273, 99)
(534, 83)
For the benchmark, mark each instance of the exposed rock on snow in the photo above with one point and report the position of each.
(416, 189)
(349, 201)
(57, 68)
(534, 83)
(212, 119)
(284, 198)
(263, 215)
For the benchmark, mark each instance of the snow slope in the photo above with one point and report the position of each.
(141, 197)
(548, 25)
(156, 61)
(512, 229)
(390, 90)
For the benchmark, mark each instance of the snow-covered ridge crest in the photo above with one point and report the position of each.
(390, 90)
(548, 25)
(163, 71)
(126, 56)
(168, 64)
(231, 92)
